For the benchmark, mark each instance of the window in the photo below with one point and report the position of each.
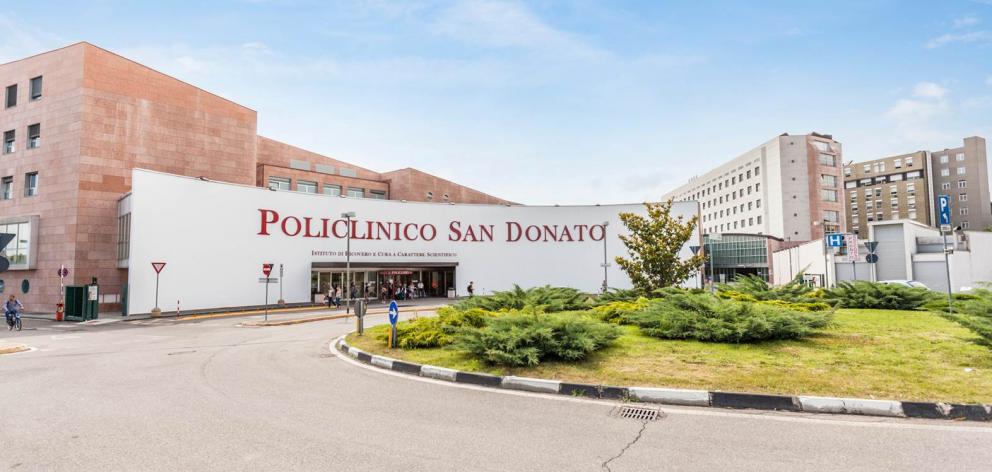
(333, 190)
(879, 216)
(943, 159)
(879, 167)
(377, 194)
(959, 157)
(757, 203)
(829, 195)
(850, 184)
(913, 175)
(961, 184)
(828, 160)
(831, 216)
(34, 136)
(880, 179)
(867, 168)
(36, 88)
(306, 187)
(865, 182)
(912, 214)
(124, 237)
(757, 171)
(6, 188)
(749, 189)
(965, 225)
(18, 250)
(11, 95)
(355, 192)
(945, 172)
(750, 221)
(734, 195)
(961, 170)
(897, 163)
(759, 219)
(847, 171)
(749, 174)
(945, 186)
(963, 211)
(909, 162)
(828, 180)
(30, 184)
(749, 207)
(8, 142)
(963, 197)
(757, 187)
(278, 183)
(733, 180)
(895, 177)
(822, 146)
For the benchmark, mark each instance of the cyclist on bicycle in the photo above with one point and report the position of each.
(10, 311)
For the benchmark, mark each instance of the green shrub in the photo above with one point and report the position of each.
(526, 339)
(752, 287)
(618, 295)
(708, 318)
(619, 312)
(973, 310)
(547, 299)
(798, 306)
(436, 331)
(862, 294)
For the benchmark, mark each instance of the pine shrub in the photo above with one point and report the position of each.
(526, 339)
(754, 288)
(547, 299)
(862, 294)
(437, 331)
(619, 312)
(973, 310)
(706, 318)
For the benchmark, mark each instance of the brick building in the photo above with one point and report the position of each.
(77, 120)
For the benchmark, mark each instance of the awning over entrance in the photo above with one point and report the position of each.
(382, 265)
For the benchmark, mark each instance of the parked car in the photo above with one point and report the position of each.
(905, 283)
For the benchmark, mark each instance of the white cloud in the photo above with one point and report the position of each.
(965, 21)
(929, 90)
(502, 24)
(970, 37)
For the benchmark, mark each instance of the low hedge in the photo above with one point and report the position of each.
(526, 339)
(707, 318)
(862, 294)
(437, 331)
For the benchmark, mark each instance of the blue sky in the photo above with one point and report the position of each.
(559, 102)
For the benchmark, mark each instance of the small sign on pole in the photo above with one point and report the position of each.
(394, 316)
(158, 266)
(266, 270)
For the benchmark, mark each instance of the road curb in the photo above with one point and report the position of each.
(11, 349)
(684, 397)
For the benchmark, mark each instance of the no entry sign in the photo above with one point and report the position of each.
(266, 269)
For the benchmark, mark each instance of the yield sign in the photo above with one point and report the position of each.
(158, 266)
(266, 269)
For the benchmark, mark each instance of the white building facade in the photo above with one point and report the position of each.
(214, 238)
(789, 187)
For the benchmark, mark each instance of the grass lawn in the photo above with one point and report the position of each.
(900, 355)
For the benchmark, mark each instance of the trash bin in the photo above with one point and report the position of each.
(82, 302)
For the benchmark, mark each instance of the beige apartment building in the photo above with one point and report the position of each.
(788, 188)
(907, 186)
(891, 188)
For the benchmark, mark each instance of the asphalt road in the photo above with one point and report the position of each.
(209, 395)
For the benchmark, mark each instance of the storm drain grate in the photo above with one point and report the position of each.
(638, 413)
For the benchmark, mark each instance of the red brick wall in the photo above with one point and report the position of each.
(413, 185)
(58, 111)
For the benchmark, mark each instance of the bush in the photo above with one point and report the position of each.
(862, 294)
(798, 306)
(754, 288)
(708, 318)
(973, 310)
(618, 295)
(526, 339)
(619, 312)
(547, 299)
(436, 331)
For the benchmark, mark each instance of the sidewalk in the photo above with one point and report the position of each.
(373, 308)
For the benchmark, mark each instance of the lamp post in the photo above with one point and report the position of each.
(605, 263)
(347, 254)
(699, 276)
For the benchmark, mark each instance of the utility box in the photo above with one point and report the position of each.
(82, 302)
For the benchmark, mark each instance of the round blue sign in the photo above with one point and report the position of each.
(394, 312)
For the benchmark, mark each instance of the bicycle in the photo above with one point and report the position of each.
(14, 321)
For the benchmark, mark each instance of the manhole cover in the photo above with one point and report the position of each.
(638, 413)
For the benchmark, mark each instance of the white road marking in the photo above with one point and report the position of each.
(867, 421)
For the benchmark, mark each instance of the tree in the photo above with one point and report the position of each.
(654, 243)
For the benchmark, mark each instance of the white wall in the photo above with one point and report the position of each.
(208, 234)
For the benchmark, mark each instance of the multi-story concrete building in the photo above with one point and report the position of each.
(76, 121)
(963, 174)
(788, 188)
(906, 187)
(890, 188)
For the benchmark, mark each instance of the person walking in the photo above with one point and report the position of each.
(471, 289)
(337, 296)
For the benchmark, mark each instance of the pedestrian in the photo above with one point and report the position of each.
(337, 296)
(420, 289)
(471, 289)
(328, 299)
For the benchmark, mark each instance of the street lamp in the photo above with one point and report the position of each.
(605, 263)
(347, 254)
(699, 277)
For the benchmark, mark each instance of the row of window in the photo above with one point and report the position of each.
(733, 180)
(30, 186)
(959, 157)
(733, 210)
(751, 221)
(879, 167)
(306, 186)
(868, 181)
(10, 97)
(944, 172)
(732, 196)
(947, 185)
(10, 138)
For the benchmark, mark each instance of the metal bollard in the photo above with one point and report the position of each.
(360, 316)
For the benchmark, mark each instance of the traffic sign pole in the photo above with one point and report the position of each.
(266, 270)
